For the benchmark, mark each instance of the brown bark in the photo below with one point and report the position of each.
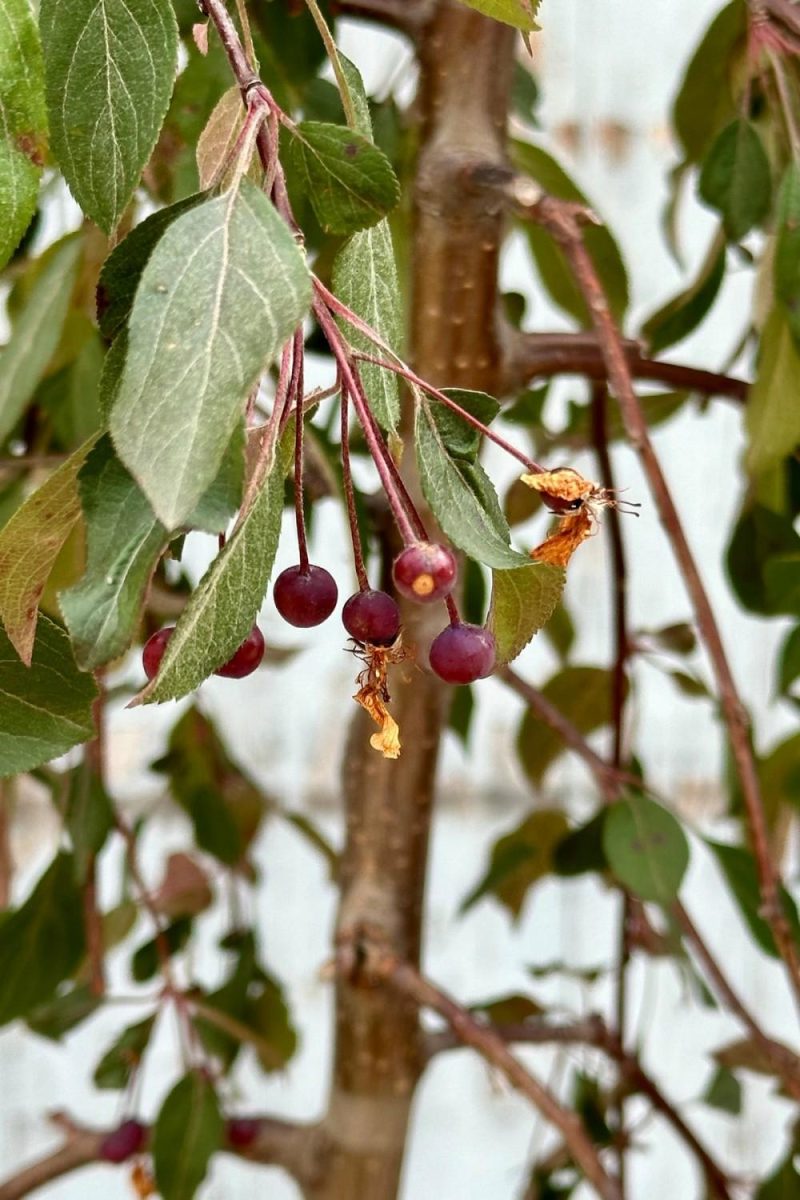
(465, 64)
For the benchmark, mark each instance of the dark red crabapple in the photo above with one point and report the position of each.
(372, 616)
(463, 653)
(154, 649)
(125, 1141)
(305, 597)
(425, 571)
(246, 658)
(242, 1131)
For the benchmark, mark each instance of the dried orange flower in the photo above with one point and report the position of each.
(142, 1181)
(373, 693)
(559, 548)
(578, 502)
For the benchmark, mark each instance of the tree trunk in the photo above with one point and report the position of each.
(466, 63)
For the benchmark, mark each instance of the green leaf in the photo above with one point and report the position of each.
(789, 666)
(224, 806)
(772, 414)
(519, 13)
(365, 279)
(349, 181)
(461, 439)
(267, 1014)
(786, 262)
(760, 537)
(706, 100)
(646, 848)
(581, 851)
(681, 315)
(23, 122)
(222, 608)
(29, 545)
(779, 775)
(523, 600)
(46, 708)
(109, 68)
(555, 274)
(36, 330)
(462, 499)
(124, 541)
(56, 1017)
(147, 958)
(224, 288)
(89, 816)
(42, 942)
(583, 695)
(122, 270)
(724, 1092)
(783, 1182)
(736, 179)
(123, 1057)
(188, 1131)
(739, 869)
(519, 859)
(508, 1010)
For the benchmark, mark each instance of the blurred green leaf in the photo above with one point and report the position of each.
(555, 274)
(739, 870)
(736, 179)
(519, 859)
(646, 848)
(188, 1132)
(772, 415)
(42, 942)
(681, 315)
(56, 1017)
(789, 666)
(707, 99)
(583, 695)
(123, 1058)
(724, 1092)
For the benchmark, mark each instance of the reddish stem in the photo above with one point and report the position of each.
(347, 479)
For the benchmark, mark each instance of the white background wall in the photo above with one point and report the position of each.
(599, 65)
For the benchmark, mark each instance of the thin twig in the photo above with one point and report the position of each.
(405, 979)
(564, 222)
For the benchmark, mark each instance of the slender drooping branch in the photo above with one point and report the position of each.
(299, 1149)
(564, 222)
(407, 981)
(530, 356)
(593, 1031)
(786, 1064)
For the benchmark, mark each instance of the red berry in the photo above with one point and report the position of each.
(154, 650)
(246, 658)
(305, 597)
(372, 616)
(425, 571)
(463, 653)
(242, 1131)
(123, 1143)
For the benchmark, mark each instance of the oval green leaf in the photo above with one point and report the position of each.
(736, 179)
(187, 1133)
(349, 181)
(224, 288)
(23, 122)
(109, 68)
(646, 848)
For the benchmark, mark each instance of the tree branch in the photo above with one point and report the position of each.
(299, 1149)
(608, 780)
(531, 356)
(593, 1031)
(407, 981)
(563, 221)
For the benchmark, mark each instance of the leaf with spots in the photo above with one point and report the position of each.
(223, 289)
(29, 545)
(646, 848)
(23, 122)
(109, 71)
(349, 181)
(46, 708)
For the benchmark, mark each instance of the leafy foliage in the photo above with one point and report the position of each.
(23, 122)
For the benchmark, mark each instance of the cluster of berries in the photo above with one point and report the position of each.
(306, 596)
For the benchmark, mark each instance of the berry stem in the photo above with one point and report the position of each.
(347, 478)
(296, 394)
(375, 443)
(452, 610)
